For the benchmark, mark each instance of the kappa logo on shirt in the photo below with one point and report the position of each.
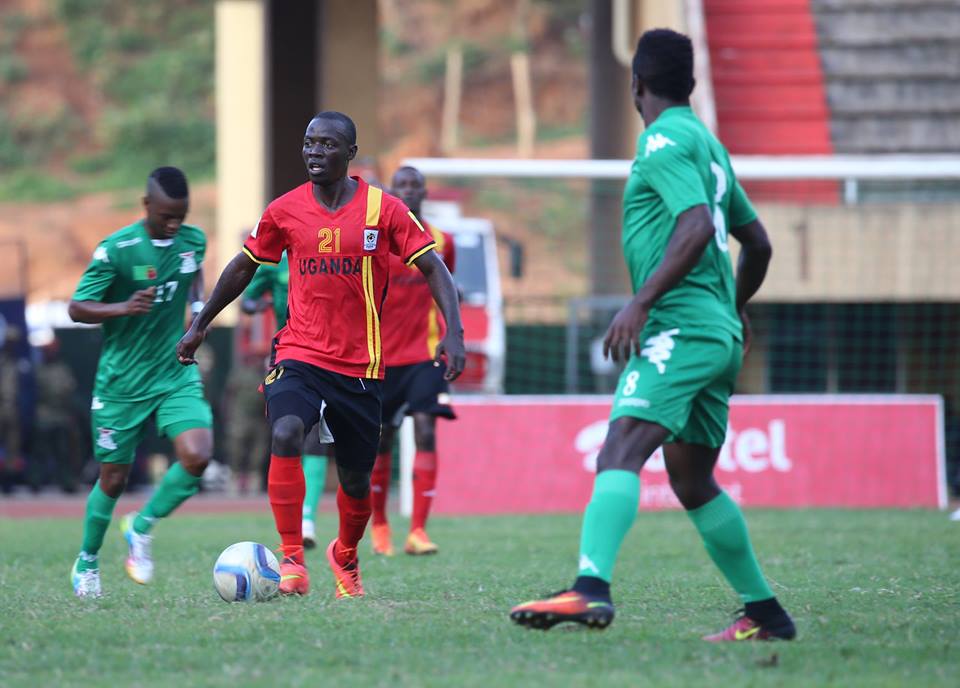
(656, 142)
(96, 404)
(370, 239)
(188, 262)
(105, 439)
(101, 254)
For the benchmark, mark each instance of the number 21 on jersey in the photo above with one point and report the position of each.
(327, 236)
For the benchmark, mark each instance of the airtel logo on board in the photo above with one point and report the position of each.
(752, 450)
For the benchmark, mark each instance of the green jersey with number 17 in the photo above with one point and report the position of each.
(139, 358)
(679, 165)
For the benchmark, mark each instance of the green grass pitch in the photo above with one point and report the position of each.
(876, 597)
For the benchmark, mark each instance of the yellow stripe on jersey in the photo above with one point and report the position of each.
(428, 247)
(414, 218)
(374, 199)
(376, 325)
(257, 260)
(373, 318)
(433, 331)
(439, 238)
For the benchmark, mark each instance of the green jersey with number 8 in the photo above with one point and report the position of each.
(679, 165)
(139, 359)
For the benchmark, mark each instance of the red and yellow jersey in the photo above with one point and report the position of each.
(412, 322)
(339, 268)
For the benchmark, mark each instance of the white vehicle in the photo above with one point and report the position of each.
(477, 274)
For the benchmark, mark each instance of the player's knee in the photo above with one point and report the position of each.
(427, 442)
(355, 484)
(112, 483)
(694, 492)
(616, 459)
(195, 462)
(287, 436)
(425, 436)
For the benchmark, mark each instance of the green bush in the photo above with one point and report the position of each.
(12, 69)
(153, 63)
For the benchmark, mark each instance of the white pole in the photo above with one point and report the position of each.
(746, 167)
(408, 448)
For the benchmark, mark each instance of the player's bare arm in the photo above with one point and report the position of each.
(445, 294)
(234, 279)
(755, 254)
(93, 312)
(195, 295)
(693, 232)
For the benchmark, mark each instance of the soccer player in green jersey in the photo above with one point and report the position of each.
(683, 335)
(275, 280)
(138, 286)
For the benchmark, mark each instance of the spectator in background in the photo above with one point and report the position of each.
(247, 432)
(11, 422)
(56, 439)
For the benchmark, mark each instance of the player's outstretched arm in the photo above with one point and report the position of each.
(233, 280)
(755, 254)
(690, 237)
(445, 294)
(93, 312)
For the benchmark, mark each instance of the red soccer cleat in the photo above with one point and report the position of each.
(568, 605)
(346, 576)
(381, 539)
(294, 579)
(746, 628)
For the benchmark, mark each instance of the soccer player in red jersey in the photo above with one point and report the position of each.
(338, 232)
(415, 383)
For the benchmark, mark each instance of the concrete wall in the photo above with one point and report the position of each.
(890, 252)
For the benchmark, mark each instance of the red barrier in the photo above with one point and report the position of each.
(537, 454)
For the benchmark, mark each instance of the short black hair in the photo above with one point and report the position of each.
(410, 168)
(663, 62)
(344, 120)
(172, 180)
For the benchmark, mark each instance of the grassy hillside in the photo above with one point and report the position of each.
(93, 92)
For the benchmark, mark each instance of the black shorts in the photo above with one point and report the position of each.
(417, 388)
(350, 406)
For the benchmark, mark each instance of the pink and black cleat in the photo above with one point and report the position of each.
(745, 628)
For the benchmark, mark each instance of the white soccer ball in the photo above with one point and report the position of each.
(246, 572)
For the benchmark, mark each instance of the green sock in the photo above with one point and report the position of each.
(724, 532)
(315, 474)
(609, 515)
(176, 487)
(95, 524)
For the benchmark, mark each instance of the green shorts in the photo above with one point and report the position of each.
(118, 425)
(682, 380)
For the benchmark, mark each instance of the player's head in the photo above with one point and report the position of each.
(409, 185)
(166, 202)
(329, 144)
(662, 68)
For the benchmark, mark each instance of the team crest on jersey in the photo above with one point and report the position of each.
(188, 262)
(370, 239)
(656, 142)
(105, 439)
(144, 272)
